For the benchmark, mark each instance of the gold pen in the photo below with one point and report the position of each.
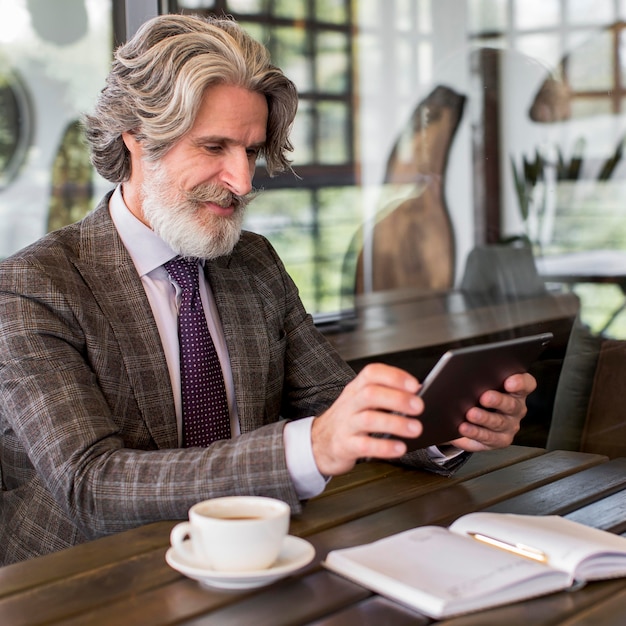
(516, 548)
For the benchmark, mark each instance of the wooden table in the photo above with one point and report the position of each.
(123, 579)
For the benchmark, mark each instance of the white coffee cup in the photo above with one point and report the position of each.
(233, 533)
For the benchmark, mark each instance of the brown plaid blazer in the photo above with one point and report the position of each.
(88, 441)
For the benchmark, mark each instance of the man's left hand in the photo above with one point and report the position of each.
(496, 421)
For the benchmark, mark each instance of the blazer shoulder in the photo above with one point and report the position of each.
(63, 246)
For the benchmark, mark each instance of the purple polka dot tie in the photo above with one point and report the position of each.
(205, 408)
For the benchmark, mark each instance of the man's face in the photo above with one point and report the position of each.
(194, 197)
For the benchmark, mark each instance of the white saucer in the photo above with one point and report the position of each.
(294, 554)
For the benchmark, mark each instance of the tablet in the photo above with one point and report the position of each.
(459, 378)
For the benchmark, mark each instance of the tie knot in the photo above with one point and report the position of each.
(184, 271)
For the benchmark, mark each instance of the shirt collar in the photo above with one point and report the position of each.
(147, 250)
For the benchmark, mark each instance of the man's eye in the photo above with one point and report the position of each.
(253, 153)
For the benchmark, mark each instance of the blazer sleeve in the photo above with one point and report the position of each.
(79, 457)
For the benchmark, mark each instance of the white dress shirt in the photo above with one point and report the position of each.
(149, 252)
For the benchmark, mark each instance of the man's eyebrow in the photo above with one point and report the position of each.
(219, 139)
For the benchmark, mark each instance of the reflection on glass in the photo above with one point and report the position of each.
(590, 66)
(537, 13)
(196, 4)
(405, 18)
(488, 15)
(588, 12)
(244, 6)
(61, 53)
(544, 48)
(588, 107)
(424, 17)
(15, 123)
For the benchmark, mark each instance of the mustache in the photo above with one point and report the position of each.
(219, 195)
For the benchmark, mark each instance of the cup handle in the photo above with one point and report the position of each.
(180, 538)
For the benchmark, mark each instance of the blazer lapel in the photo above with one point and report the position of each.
(245, 332)
(108, 269)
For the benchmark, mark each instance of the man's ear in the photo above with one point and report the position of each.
(132, 145)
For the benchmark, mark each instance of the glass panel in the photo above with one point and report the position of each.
(289, 52)
(332, 62)
(259, 31)
(544, 49)
(586, 107)
(424, 17)
(295, 9)
(590, 65)
(16, 123)
(334, 11)
(302, 134)
(337, 232)
(245, 6)
(368, 14)
(536, 13)
(487, 15)
(425, 63)
(589, 12)
(285, 216)
(195, 4)
(404, 16)
(53, 61)
(405, 54)
(333, 124)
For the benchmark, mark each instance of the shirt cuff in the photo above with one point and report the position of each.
(306, 478)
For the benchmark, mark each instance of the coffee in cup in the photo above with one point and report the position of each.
(233, 533)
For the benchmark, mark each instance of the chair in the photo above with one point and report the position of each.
(590, 404)
(502, 270)
(508, 272)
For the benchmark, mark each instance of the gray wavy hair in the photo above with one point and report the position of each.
(157, 81)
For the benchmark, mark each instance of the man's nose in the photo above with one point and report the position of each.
(237, 172)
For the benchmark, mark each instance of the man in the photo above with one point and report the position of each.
(93, 429)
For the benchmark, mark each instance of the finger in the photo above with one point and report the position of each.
(506, 403)
(387, 376)
(522, 384)
(389, 424)
(381, 398)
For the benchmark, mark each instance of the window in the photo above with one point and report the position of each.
(310, 218)
(53, 61)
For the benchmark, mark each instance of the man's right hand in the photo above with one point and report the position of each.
(371, 403)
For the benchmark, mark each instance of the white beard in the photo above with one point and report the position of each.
(178, 217)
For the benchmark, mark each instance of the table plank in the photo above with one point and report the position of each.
(570, 493)
(290, 601)
(564, 608)
(89, 556)
(608, 514)
(373, 612)
(360, 497)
